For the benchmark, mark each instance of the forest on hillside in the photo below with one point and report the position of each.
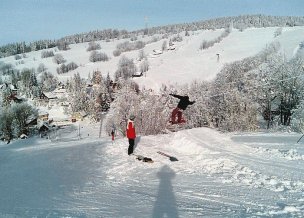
(238, 22)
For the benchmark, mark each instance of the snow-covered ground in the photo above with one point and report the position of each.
(217, 175)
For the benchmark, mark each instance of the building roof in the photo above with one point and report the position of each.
(50, 95)
(42, 112)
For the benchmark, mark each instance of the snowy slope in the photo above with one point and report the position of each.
(217, 175)
(182, 65)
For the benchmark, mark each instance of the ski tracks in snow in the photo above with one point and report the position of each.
(234, 162)
(237, 163)
(219, 161)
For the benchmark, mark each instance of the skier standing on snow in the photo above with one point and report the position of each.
(113, 131)
(131, 134)
(178, 111)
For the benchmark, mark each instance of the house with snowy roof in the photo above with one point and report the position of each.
(47, 96)
(80, 115)
(13, 89)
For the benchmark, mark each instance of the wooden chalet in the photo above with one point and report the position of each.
(47, 96)
(78, 116)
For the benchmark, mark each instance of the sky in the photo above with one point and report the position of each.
(30, 20)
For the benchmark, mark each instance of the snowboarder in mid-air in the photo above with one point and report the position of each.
(178, 111)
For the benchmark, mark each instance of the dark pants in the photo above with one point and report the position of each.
(177, 113)
(131, 146)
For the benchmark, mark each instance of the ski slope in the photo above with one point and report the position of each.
(217, 175)
(180, 66)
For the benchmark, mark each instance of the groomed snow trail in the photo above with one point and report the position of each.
(217, 175)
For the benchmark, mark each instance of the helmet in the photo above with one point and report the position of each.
(132, 117)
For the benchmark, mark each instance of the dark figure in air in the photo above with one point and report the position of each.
(178, 111)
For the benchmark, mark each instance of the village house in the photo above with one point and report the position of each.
(43, 129)
(78, 116)
(13, 89)
(13, 92)
(43, 115)
(47, 96)
(60, 93)
(16, 99)
(31, 121)
(137, 74)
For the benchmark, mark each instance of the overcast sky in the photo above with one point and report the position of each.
(29, 20)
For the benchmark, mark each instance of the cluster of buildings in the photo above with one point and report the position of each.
(52, 108)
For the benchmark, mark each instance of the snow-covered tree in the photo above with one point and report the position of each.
(98, 56)
(46, 54)
(144, 66)
(48, 82)
(21, 113)
(41, 68)
(63, 45)
(58, 59)
(278, 32)
(5, 95)
(6, 124)
(93, 46)
(151, 115)
(97, 77)
(290, 88)
(25, 82)
(141, 54)
(66, 68)
(297, 118)
(126, 68)
(197, 115)
(164, 46)
(78, 94)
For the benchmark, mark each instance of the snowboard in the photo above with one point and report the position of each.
(143, 158)
(177, 126)
(171, 158)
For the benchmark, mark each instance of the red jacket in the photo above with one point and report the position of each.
(131, 130)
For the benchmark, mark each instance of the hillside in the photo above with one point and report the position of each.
(182, 65)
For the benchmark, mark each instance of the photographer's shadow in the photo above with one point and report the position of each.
(165, 205)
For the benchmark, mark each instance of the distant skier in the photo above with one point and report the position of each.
(113, 132)
(218, 57)
(178, 111)
(131, 134)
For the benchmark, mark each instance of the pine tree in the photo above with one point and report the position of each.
(78, 94)
(97, 77)
(6, 124)
(6, 95)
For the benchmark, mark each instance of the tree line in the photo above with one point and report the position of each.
(239, 22)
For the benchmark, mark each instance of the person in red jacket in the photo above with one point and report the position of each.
(131, 134)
